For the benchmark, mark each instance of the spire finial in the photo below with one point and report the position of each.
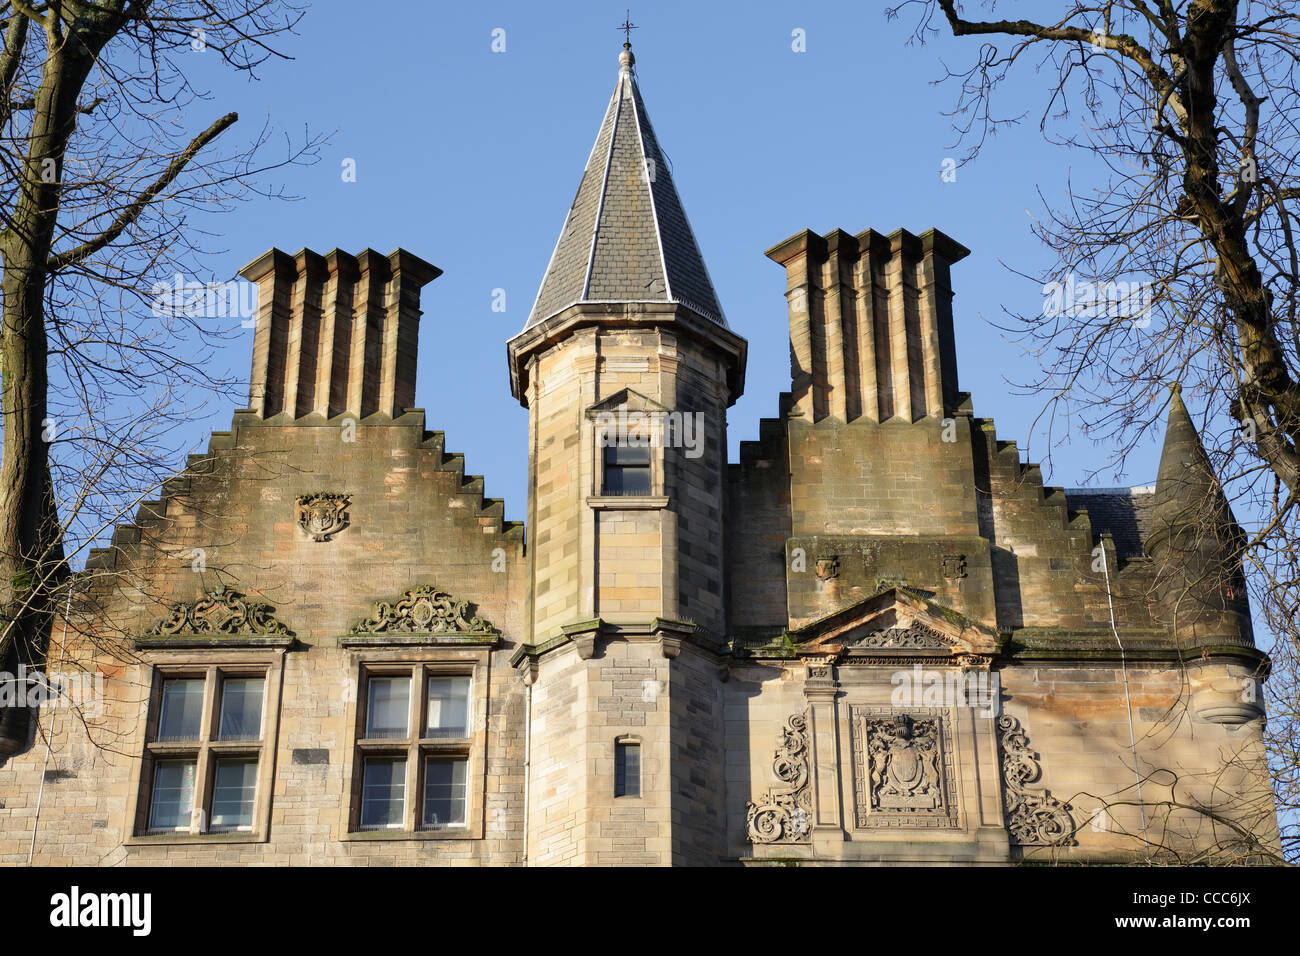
(627, 26)
(626, 58)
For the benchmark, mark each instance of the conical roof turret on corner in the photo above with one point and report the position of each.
(1195, 542)
(1188, 497)
(626, 237)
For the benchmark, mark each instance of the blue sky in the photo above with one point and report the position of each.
(470, 159)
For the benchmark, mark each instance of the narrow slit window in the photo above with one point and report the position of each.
(627, 770)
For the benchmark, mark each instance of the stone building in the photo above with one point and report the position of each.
(877, 637)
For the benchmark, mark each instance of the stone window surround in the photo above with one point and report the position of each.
(636, 741)
(213, 666)
(420, 663)
(599, 500)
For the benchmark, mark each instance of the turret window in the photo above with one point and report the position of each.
(627, 769)
(627, 469)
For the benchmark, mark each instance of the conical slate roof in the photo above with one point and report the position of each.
(626, 238)
(1188, 498)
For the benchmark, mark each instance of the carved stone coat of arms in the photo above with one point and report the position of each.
(904, 753)
(322, 516)
(904, 775)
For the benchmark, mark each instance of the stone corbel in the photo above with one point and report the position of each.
(527, 668)
(670, 647)
(584, 635)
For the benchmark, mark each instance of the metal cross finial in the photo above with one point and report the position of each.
(627, 26)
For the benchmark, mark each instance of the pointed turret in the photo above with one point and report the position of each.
(1195, 540)
(625, 536)
(626, 237)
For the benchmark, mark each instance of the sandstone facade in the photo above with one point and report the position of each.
(877, 637)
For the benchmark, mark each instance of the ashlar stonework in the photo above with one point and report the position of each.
(875, 637)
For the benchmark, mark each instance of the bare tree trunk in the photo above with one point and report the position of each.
(31, 552)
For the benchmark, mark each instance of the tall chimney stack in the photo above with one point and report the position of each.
(335, 333)
(871, 333)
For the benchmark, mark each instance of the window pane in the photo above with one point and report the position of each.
(241, 708)
(448, 710)
(182, 709)
(232, 794)
(386, 714)
(627, 770)
(627, 470)
(444, 791)
(383, 792)
(173, 795)
(627, 481)
(628, 455)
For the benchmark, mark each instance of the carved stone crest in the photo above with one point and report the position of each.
(1035, 818)
(782, 816)
(903, 769)
(321, 516)
(423, 610)
(220, 611)
(904, 758)
(954, 566)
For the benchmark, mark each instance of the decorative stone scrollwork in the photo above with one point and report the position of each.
(1035, 818)
(321, 516)
(423, 610)
(918, 635)
(903, 769)
(221, 611)
(782, 816)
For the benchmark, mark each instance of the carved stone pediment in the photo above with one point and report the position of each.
(424, 610)
(915, 636)
(895, 624)
(220, 611)
(628, 400)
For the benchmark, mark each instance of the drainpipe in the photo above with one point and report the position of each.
(528, 757)
(49, 736)
(1132, 741)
